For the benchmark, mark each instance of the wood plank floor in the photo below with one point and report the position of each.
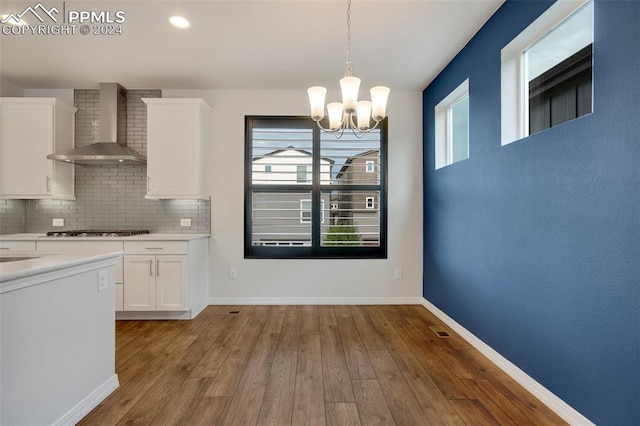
(308, 365)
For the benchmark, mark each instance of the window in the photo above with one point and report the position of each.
(452, 127)
(370, 202)
(303, 175)
(547, 71)
(267, 168)
(305, 211)
(320, 199)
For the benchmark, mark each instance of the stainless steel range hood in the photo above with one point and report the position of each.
(112, 146)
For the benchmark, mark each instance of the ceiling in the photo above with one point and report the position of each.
(243, 45)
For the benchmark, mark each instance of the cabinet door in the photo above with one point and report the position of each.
(26, 138)
(171, 150)
(139, 283)
(177, 139)
(171, 283)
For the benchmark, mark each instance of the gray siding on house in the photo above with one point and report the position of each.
(352, 204)
(278, 217)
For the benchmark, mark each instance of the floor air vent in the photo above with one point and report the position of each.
(440, 331)
(234, 312)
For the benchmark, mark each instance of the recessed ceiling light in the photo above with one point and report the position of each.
(179, 22)
(12, 21)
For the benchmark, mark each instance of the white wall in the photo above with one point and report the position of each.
(65, 95)
(311, 281)
(9, 89)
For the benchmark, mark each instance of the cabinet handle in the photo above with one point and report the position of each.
(4, 248)
(148, 184)
(157, 267)
(154, 248)
(48, 184)
(150, 267)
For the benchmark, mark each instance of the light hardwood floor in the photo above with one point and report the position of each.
(308, 365)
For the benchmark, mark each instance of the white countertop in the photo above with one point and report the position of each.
(144, 237)
(45, 263)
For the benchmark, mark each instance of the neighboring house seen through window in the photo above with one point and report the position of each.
(546, 74)
(311, 195)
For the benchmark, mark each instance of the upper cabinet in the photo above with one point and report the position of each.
(177, 140)
(31, 129)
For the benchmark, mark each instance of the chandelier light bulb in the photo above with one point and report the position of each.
(364, 114)
(379, 96)
(335, 115)
(350, 87)
(317, 95)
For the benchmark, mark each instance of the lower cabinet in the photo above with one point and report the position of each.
(155, 283)
(153, 280)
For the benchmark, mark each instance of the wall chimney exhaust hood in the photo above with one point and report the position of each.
(112, 146)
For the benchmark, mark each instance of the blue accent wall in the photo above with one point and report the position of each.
(534, 247)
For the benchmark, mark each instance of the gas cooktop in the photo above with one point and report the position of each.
(97, 233)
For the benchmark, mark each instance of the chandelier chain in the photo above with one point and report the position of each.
(348, 72)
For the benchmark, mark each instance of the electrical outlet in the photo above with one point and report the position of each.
(103, 281)
(185, 222)
(233, 274)
(58, 222)
(398, 274)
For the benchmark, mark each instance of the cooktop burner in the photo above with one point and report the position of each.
(97, 233)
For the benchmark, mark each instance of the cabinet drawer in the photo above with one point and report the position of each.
(156, 247)
(6, 246)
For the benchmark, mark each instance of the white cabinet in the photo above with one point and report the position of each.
(156, 279)
(156, 282)
(140, 293)
(177, 140)
(31, 129)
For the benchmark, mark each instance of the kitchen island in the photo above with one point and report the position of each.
(57, 328)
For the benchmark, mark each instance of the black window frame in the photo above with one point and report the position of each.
(316, 250)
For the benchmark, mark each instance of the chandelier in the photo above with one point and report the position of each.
(350, 114)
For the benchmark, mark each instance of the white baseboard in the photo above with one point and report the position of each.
(548, 398)
(90, 402)
(315, 300)
(154, 315)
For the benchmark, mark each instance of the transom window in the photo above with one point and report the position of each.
(308, 194)
(452, 127)
(547, 71)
